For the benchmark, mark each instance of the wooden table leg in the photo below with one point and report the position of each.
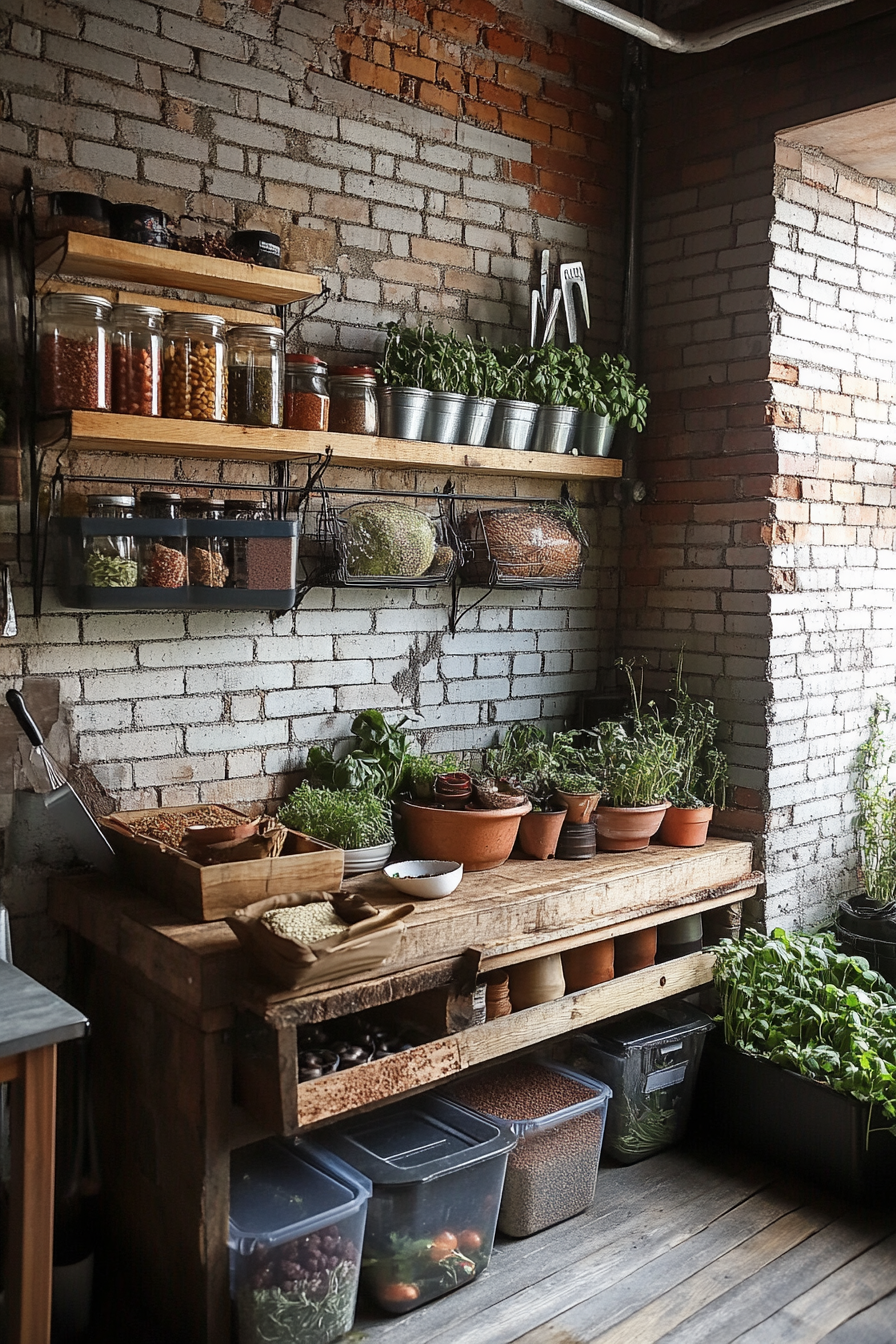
(33, 1136)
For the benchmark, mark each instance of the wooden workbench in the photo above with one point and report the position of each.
(179, 1022)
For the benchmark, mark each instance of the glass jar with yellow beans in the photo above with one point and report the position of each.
(194, 371)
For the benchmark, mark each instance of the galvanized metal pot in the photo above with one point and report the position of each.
(443, 415)
(555, 429)
(476, 420)
(595, 434)
(402, 411)
(512, 424)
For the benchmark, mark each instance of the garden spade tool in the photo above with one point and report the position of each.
(572, 279)
(62, 803)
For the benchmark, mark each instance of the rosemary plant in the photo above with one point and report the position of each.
(876, 819)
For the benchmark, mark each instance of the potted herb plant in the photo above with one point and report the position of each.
(609, 395)
(526, 757)
(703, 778)
(403, 399)
(556, 378)
(513, 421)
(444, 372)
(379, 762)
(482, 380)
(808, 1070)
(354, 819)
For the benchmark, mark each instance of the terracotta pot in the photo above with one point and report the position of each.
(457, 801)
(588, 965)
(577, 841)
(685, 826)
(477, 839)
(620, 829)
(538, 981)
(634, 951)
(579, 805)
(539, 833)
(679, 937)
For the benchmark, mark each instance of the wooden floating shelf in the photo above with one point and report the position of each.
(262, 1063)
(103, 431)
(84, 254)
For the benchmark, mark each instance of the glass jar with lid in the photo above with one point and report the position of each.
(74, 365)
(353, 406)
(163, 553)
(137, 359)
(205, 549)
(194, 367)
(307, 401)
(255, 376)
(110, 558)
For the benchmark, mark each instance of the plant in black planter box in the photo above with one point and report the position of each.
(810, 1073)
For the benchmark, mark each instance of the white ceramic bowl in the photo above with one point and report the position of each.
(426, 878)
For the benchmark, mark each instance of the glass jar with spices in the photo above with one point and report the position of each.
(205, 556)
(163, 554)
(110, 558)
(307, 402)
(353, 406)
(264, 556)
(137, 359)
(194, 367)
(74, 364)
(255, 376)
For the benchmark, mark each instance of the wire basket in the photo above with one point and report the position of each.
(381, 543)
(522, 547)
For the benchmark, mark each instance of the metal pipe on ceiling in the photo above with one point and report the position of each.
(688, 43)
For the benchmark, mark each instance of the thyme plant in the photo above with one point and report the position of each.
(876, 818)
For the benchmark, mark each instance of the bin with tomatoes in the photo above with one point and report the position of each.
(437, 1173)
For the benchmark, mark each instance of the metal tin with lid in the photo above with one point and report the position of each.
(74, 364)
(255, 375)
(353, 404)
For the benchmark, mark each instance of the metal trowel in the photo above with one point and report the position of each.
(572, 280)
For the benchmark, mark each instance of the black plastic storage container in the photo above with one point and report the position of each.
(437, 1174)
(650, 1059)
(799, 1124)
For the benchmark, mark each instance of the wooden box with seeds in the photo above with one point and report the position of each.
(149, 843)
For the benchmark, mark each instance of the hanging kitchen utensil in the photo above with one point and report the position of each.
(8, 625)
(572, 279)
(550, 321)
(62, 803)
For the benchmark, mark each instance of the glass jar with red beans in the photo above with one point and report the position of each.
(307, 402)
(353, 406)
(74, 364)
(163, 554)
(137, 359)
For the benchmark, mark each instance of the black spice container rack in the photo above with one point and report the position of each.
(256, 570)
(350, 546)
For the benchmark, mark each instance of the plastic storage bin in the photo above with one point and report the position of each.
(437, 1173)
(296, 1229)
(650, 1059)
(558, 1117)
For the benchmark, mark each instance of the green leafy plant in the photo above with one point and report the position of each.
(350, 818)
(611, 389)
(639, 767)
(537, 764)
(422, 771)
(704, 767)
(876, 818)
(796, 1000)
(557, 376)
(402, 362)
(378, 763)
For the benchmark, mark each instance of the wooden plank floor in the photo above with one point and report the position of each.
(691, 1247)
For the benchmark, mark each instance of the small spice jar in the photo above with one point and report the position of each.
(110, 559)
(137, 359)
(205, 556)
(163, 557)
(255, 376)
(194, 367)
(74, 363)
(307, 402)
(353, 406)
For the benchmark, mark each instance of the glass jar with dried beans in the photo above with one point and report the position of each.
(353, 404)
(307, 401)
(110, 559)
(255, 376)
(137, 359)
(261, 557)
(163, 554)
(74, 364)
(205, 557)
(194, 369)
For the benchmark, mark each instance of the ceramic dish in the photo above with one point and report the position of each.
(427, 878)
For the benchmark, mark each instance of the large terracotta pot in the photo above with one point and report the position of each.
(539, 833)
(634, 951)
(579, 805)
(537, 981)
(620, 829)
(685, 826)
(588, 965)
(478, 839)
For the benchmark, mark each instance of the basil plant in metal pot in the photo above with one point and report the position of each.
(609, 396)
